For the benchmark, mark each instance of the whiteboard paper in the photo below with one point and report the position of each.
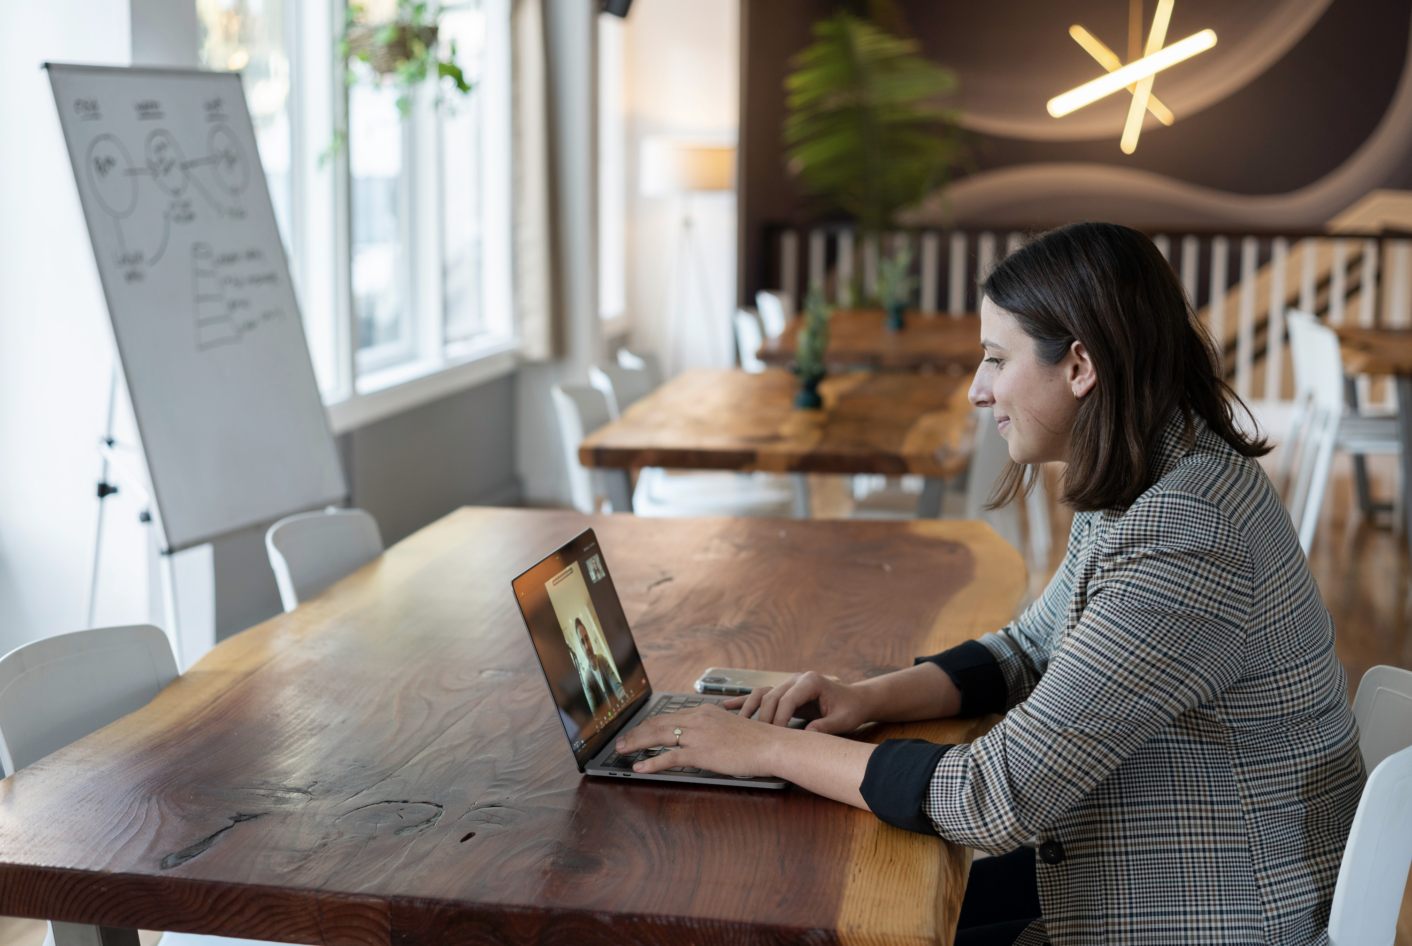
(199, 294)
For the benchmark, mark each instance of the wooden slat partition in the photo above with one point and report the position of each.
(1358, 278)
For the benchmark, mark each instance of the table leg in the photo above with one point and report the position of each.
(81, 934)
(1360, 463)
(803, 508)
(618, 485)
(929, 504)
(1404, 426)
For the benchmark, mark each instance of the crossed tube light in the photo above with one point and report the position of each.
(1091, 92)
(1109, 60)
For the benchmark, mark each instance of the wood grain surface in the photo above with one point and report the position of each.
(733, 420)
(858, 339)
(384, 764)
(1376, 350)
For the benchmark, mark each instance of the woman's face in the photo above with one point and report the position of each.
(1034, 403)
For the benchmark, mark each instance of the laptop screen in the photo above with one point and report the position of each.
(585, 648)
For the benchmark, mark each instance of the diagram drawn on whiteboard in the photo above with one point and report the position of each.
(115, 177)
(147, 198)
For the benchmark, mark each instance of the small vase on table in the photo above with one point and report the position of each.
(895, 284)
(809, 347)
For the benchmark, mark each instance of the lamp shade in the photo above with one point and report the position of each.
(675, 166)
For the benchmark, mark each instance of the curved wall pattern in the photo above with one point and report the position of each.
(1301, 109)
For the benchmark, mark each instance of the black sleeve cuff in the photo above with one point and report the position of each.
(898, 778)
(976, 673)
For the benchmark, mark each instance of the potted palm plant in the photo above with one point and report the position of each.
(869, 129)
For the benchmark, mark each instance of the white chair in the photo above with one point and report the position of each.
(582, 409)
(748, 339)
(1373, 874)
(1325, 425)
(1296, 322)
(1383, 708)
(989, 455)
(643, 361)
(621, 386)
(57, 690)
(776, 307)
(312, 550)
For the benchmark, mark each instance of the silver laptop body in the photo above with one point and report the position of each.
(593, 669)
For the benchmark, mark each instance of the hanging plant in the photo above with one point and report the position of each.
(868, 128)
(403, 51)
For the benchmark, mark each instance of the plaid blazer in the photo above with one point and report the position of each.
(1177, 732)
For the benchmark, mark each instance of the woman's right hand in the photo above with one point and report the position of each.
(830, 706)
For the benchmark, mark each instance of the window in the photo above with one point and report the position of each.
(248, 36)
(612, 170)
(398, 231)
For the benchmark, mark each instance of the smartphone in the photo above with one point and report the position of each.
(733, 681)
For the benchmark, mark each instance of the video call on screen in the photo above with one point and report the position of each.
(583, 640)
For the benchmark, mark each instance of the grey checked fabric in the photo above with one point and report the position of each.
(1176, 718)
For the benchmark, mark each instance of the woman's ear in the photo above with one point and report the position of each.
(1082, 374)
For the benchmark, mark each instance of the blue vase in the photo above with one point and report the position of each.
(808, 396)
(894, 316)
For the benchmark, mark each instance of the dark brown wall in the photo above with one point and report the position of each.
(1291, 126)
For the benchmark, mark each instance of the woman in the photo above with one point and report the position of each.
(1177, 743)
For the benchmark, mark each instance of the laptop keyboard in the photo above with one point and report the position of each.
(666, 704)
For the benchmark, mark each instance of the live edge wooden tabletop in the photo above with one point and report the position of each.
(733, 420)
(384, 765)
(1376, 350)
(858, 338)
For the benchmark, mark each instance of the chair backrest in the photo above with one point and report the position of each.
(620, 386)
(1299, 343)
(581, 410)
(989, 455)
(1315, 349)
(1383, 708)
(643, 361)
(312, 550)
(60, 689)
(1373, 875)
(748, 339)
(775, 306)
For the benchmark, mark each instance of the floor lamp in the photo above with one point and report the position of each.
(682, 169)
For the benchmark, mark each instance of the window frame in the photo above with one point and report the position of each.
(376, 383)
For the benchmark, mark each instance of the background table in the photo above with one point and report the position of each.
(384, 764)
(733, 420)
(858, 338)
(1386, 351)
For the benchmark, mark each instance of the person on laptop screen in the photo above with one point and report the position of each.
(600, 678)
(593, 691)
(1177, 741)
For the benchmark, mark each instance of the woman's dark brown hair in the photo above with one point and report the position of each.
(1108, 287)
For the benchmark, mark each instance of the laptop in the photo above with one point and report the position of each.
(593, 669)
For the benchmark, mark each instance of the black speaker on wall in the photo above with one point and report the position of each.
(615, 7)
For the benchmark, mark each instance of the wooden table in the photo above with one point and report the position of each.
(732, 420)
(384, 764)
(1386, 351)
(857, 338)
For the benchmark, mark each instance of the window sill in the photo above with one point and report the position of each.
(391, 391)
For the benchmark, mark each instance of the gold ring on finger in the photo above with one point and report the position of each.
(677, 733)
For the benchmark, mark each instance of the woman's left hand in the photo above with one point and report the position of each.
(711, 738)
